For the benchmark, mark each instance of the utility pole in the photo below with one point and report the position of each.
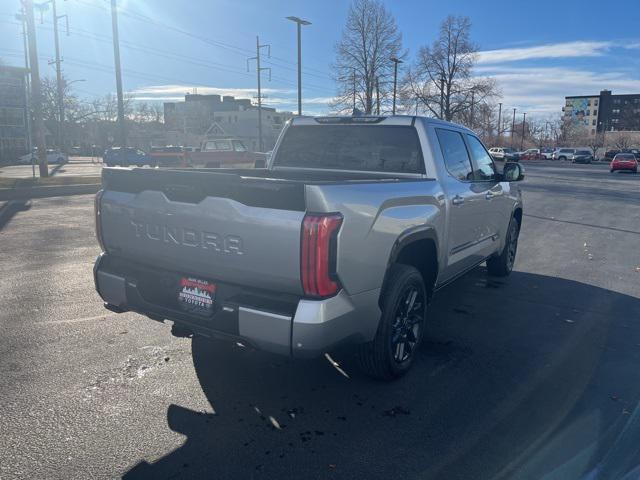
(499, 120)
(354, 90)
(524, 121)
(259, 70)
(513, 126)
(395, 61)
(441, 96)
(473, 97)
(27, 88)
(57, 61)
(122, 131)
(36, 94)
(377, 96)
(299, 22)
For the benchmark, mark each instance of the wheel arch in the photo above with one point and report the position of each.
(419, 249)
(517, 214)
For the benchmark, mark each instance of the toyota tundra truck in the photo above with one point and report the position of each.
(341, 240)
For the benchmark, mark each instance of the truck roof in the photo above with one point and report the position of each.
(373, 120)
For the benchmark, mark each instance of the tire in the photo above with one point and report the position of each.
(562, 158)
(502, 265)
(610, 171)
(384, 358)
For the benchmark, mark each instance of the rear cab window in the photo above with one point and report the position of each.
(373, 148)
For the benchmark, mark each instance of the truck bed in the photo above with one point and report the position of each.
(278, 189)
(240, 226)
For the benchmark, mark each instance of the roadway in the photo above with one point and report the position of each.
(517, 378)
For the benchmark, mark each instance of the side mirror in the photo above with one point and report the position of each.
(513, 172)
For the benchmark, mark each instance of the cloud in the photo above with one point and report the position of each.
(554, 50)
(178, 91)
(541, 90)
(282, 99)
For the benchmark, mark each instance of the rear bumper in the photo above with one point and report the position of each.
(300, 328)
(628, 166)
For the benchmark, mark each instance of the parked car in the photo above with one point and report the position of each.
(624, 161)
(531, 154)
(169, 156)
(582, 156)
(564, 154)
(547, 153)
(497, 153)
(635, 151)
(609, 154)
(125, 157)
(504, 153)
(320, 248)
(225, 153)
(53, 156)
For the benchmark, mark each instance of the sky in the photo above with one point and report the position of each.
(537, 51)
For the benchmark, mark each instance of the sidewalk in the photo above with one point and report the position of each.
(80, 175)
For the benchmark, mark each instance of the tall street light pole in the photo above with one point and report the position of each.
(395, 61)
(122, 132)
(59, 86)
(499, 120)
(513, 126)
(300, 22)
(36, 93)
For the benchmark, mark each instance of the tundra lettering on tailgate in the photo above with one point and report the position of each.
(189, 237)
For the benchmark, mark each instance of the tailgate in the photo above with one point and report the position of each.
(231, 230)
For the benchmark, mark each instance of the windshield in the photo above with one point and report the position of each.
(351, 147)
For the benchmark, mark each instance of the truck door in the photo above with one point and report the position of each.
(464, 204)
(494, 206)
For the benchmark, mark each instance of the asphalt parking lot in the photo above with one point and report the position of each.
(520, 378)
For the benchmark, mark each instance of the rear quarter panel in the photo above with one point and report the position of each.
(375, 215)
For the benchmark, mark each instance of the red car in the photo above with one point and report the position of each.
(531, 154)
(624, 161)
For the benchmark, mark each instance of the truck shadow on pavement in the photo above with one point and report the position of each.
(11, 209)
(516, 378)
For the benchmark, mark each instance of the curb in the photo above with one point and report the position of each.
(47, 191)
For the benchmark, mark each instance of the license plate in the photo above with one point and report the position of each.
(196, 295)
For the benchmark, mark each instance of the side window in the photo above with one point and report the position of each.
(454, 151)
(223, 145)
(484, 168)
(238, 146)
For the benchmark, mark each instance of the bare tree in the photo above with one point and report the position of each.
(369, 39)
(595, 143)
(623, 142)
(441, 77)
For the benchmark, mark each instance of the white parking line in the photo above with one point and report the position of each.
(78, 320)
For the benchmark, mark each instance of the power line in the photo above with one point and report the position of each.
(209, 41)
(183, 58)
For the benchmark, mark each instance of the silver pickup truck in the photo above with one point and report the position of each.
(342, 239)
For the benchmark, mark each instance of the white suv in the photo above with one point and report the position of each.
(564, 154)
(504, 153)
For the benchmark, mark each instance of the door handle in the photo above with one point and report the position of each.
(457, 200)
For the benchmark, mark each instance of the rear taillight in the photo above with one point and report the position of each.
(318, 255)
(98, 216)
